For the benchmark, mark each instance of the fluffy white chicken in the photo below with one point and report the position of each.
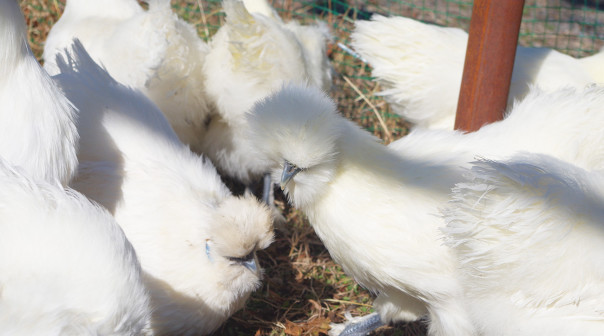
(420, 67)
(376, 208)
(529, 233)
(251, 56)
(66, 267)
(196, 242)
(151, 50)
(37, 131)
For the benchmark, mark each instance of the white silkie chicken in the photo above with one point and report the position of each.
(66, 267)
(37, 131)
(420, 67)
(376, 208)
(250, 56)
(151, 50)
(529, 236)
(196, 242)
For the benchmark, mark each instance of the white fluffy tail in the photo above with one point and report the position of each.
(414, 62)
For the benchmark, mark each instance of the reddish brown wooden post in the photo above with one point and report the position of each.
(485, 86)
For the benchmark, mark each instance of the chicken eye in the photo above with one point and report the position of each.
(293, 166)
(246, 258)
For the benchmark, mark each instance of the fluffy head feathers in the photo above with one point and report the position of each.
(241, 225)
(297, 123)
(300, 125)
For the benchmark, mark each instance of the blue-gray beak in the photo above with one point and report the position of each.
(251, 265)
(289, 171)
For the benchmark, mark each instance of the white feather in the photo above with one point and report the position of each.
(420, 67)
(66, 267)
(170, 202)
(151, 50)
(528, 235)
(37, 131)
(376, 208)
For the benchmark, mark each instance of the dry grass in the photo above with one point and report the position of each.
(304, 290)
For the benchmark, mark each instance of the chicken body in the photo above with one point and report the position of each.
(66, 268)
(151, 50)
(376, 208)
(37, 131)
(251, 56)
(416, 62)
(528, 234)
(196, 242)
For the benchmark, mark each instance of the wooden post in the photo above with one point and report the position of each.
(492, 41)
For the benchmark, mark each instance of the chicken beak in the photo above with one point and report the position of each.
(251, 264)
(289, 171)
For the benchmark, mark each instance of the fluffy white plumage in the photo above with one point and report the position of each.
(37, 131)
(376, 208)
(251, 56)
(416, 62)
(196, 242)
(66, 267)
(151, 50)
(528, 233)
